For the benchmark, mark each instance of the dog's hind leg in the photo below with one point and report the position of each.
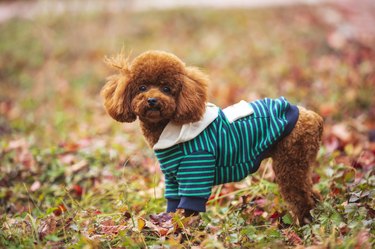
(292, 162)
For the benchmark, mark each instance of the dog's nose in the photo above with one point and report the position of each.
(152, 101)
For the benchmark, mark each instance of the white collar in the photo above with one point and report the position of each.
(174, 134)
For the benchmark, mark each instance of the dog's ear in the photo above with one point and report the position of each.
(117, 96)
(191, 103)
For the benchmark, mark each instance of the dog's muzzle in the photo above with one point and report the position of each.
(152, 102)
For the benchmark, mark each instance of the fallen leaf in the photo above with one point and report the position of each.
(141, 224)
(354, 197)
(59, 210)
(160, 219)
(163, 231)
(363, 240)
(35, 186)
(344, 229)
(5, 107)
(162, 223)
(258, 212)
(366, 160)
(77, 190)
(292, 237)
(127, 215)
(315, 178)
(47, 226)
(78, 166)
(70, 147)
(341, 131)
(334, 191)
(327, 110)
(336, 40)
(260, 202)
(109, 227)
(67, 158)
(17, 144)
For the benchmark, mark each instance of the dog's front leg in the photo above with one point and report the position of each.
(187, 212)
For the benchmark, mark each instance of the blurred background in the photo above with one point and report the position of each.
(56, 139)
(315, 53)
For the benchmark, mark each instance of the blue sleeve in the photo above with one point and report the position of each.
(171, 187)
(195, 179)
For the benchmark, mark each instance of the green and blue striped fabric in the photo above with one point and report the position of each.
(225, 152)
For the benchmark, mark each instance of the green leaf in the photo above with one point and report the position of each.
(52, 237)
(287, 219)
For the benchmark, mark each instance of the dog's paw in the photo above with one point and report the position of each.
(189, 213)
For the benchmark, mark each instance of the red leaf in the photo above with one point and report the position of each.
(327, 110)
(258, 212)
(275, 215)
(77, 190)
(109, 227)
(332, 143)
(59, 210)
(370, 212)
(96, 211)
(70, 147)
(366, 160)
(23, 154)
(344, 229)
(163, 231)
(363, 240)
(292, 237)
(261, 202)
(6, 107)
(334, 191)
(315, 178)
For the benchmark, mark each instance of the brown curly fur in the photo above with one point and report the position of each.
(184, 102)
(292, 159)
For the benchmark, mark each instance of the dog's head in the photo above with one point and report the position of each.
(155, 86)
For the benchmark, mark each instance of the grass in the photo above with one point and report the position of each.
(71, 177)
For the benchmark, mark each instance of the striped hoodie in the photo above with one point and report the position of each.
(225, 146)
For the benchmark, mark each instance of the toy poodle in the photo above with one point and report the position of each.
(200, 145)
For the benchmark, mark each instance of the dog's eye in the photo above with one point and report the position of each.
(166, 89)
(142, 88)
